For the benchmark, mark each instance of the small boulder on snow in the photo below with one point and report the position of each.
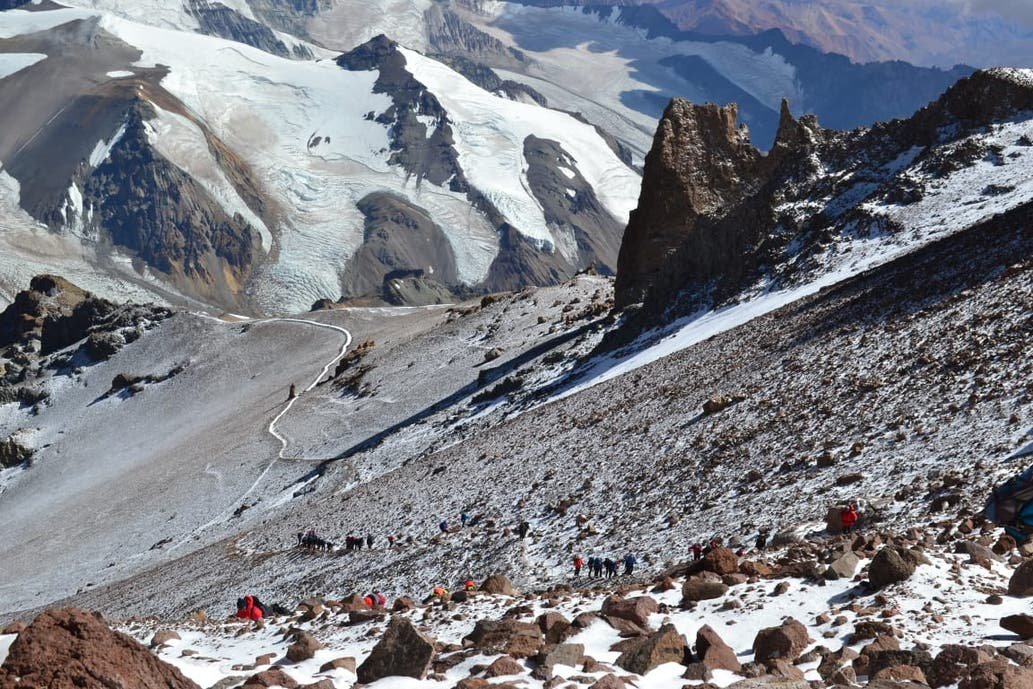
(697, 589)
(635, 610)
(665, 646)
(787, 641)
(1021, 624)
(303, 648)
(401, 652)
(1021, 582)
(891, 565)
(721, 561)
(499, 584)
(713, 653)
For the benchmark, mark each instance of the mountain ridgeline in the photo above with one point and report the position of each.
(719, 221)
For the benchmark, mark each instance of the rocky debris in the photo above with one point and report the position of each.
(518, 639)
(713, 652)
(1021, 582)
(68, 648)
(636, 610)
(719, 403)
(1021, 624)
(786, 641)
(401, 652)
(891, 565)
(664, 646)
(304, 648)
(13, 453)
(499, 584)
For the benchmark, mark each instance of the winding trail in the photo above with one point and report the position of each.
(271, 428)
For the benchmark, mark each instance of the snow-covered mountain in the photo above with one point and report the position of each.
(259, 157)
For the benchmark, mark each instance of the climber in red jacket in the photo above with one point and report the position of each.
(849, 518)
(247, 608)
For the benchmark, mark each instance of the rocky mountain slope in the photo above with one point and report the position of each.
(719, 222)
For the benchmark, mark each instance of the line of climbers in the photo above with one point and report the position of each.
(599, 567)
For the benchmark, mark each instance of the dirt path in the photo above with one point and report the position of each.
(271, 428)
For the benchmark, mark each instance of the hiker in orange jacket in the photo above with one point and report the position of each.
(578, 564)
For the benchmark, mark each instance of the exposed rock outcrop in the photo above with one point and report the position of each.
(70, 648)
(716, 217)
(402, 652)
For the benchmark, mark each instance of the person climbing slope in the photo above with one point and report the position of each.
(247, 610)
(578, 564)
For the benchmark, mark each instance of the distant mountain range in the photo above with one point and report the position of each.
(922, 32)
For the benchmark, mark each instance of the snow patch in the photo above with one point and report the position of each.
(103, 148)
(11, 63)
(120, 74)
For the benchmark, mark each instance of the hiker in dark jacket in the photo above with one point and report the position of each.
(629, 564)
(369, 541)
(611, 568)
(523, 529)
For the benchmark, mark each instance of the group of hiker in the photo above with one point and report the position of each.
(599, 567)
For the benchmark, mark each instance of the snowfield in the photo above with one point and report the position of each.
(11, 63)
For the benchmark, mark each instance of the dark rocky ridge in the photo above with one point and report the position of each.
(707, 224)
(398, 238)
(148, 205)
(216, 19)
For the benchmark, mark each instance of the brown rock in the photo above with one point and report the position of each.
(403, 603)
(70, 648)
(304, 648)
(907, 673)
(884, 642)
(891, 565)
(1021, 582)
(697, 589)
(13, 628)
(504, 666)
(665, 646)
(274, 677)
(518, 639)
(500, 585)
(635, 610)
(1021, 624)
(785, 641)
(713, 652)
(162, 637)
(346, 663)
(721, 561)
(401, 652)
(570, 655)
(610, 681)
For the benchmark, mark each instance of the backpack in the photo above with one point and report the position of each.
(1011, 505)
(259, 604)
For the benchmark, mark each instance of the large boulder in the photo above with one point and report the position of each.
(1021, 582)
(697, 589)
(844, 566)
(571, 655)
(70, 648)
(273, 677)
(787, 641)
(665, 646)
(499, 584)
(401, 652)
(518, 639)
(304, 648)
(1021, 624)
(891, 565)
(721, 561)
(713, 652)
(635, 610)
